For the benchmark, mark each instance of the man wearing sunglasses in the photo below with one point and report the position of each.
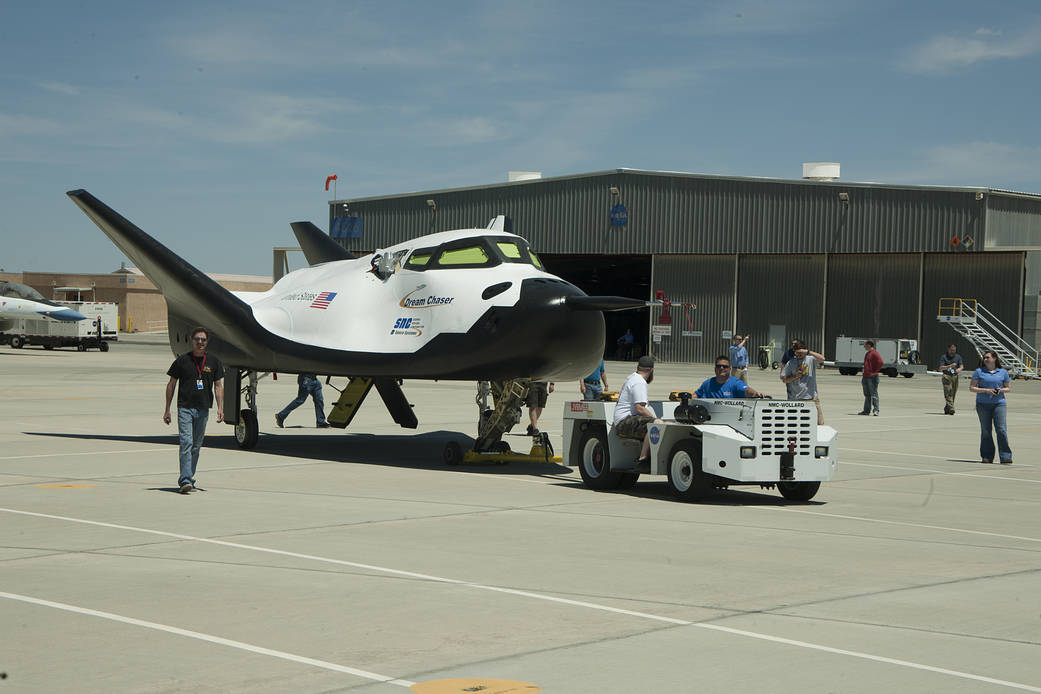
(197, 377)
(724, 385)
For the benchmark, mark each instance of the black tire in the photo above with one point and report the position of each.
(17, 342)
(891, 372)
(776, 365)
(594, 461)
(48, 346)
(905, 375)
(247, 431)
(452, 453)
(103, 346)
(627, 480)
(81, 347)
(914, 357)
(686, 478)
(764, 360)
(798, 491)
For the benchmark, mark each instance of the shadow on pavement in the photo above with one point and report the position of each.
(394, 450)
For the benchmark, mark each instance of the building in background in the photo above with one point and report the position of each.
(141, 307)
(775, 258)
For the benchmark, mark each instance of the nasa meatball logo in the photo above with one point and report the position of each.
(655, 435)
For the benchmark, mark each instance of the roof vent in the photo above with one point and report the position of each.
(513, 176)
(820, 170)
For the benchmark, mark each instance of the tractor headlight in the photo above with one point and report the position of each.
(820, 451)
(747, 451)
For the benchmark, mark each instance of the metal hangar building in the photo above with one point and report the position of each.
(775, 258)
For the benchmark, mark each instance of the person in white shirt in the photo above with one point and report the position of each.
(631, 414)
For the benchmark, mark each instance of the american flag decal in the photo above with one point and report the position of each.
(323, 300)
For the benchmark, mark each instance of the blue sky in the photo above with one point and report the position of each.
(214, 125)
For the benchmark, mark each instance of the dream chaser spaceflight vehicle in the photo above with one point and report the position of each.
(466, 305)
(22, 301)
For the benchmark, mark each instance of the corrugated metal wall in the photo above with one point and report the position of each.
(783, 290)
(686, 214)
(1013, 222)
(993, 279)
(707, 281)
(872, 296)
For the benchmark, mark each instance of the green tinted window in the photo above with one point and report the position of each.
(535, 259)
(509, 249)
(470, 255)
(419, 259)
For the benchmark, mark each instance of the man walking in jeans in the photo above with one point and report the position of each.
(869, 381)
(197, 377)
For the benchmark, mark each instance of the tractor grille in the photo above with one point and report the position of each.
(778, 424)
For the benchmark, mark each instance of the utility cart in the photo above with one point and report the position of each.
(704, 445)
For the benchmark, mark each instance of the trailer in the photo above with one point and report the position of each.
(899, 356)
(706, 445)
(99, 328)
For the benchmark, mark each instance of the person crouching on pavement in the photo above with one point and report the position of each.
(951, 365)
(306, 384)
(593, 385)
(724, 385)
(800, 377)
(197, 377)
(632, 414)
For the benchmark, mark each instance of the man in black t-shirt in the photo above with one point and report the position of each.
(951, 365)
(197, 377)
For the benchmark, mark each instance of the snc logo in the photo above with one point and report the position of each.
(402, 323)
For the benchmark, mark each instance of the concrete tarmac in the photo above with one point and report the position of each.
(326, 561)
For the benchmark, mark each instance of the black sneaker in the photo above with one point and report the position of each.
(322, 425)
(186, 487)
(278, 420)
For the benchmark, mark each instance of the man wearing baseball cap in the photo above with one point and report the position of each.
(631, 414)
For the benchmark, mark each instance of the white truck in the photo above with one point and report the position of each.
(899, 356)
(49, 334)
(705, 445)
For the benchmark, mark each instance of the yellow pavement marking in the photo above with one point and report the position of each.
(482, 685)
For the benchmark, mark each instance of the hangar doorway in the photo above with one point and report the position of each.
(616, 275)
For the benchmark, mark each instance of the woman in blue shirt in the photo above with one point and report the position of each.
(990, 382)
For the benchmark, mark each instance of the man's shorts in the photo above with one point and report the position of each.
(537, 394)
(633, 427)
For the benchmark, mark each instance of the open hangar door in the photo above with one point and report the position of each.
(616, 275)
(872, 295)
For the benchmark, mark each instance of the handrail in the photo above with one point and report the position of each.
(1000, 335)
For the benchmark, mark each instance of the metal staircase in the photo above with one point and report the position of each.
(985, 331)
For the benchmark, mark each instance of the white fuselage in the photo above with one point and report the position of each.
(345, 305)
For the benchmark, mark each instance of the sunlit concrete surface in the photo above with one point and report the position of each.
(325, 561)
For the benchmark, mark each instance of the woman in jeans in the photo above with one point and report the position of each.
(990, 382)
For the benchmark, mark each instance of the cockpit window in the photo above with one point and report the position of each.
(20, 291)
(420, 258)
(510, 249)
(467, 255)
(535, 260)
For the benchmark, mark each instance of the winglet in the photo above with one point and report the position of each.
(317, 246)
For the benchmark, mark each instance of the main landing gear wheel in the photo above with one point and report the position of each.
(452, 454)
(595, 461)
(686, 479)
(17, 342)
(798, 491)
(246, 430)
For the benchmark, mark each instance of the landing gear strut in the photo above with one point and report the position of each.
(496, 419)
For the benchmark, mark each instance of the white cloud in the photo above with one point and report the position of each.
(942, 54)
(979, 163)
(13, 125)
(61, 88)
